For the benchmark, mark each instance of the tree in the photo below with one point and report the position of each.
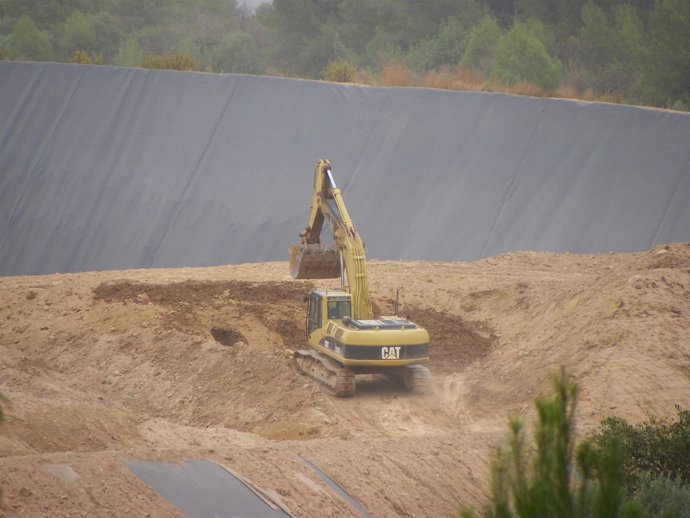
(188, 46)
(301, 41)
(27, 42)
(522, 57)
(130, 54)
(136, 14)
(560, 480)
(543, 33)
(594, 36)
(237, 53)
(110, 34)
(357, 23)
(447, 46)
(665, 71)
(481, 45)
(607, 48)
(79, 32)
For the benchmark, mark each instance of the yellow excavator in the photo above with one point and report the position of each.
(345, 337)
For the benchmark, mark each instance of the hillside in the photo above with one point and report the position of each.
(173, 364)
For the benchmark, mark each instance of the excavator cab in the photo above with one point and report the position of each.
(335, 305)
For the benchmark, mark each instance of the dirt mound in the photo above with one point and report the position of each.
(187, 302)
(106, 367)
(456, 343)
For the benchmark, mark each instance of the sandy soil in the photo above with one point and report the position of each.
(102, 368)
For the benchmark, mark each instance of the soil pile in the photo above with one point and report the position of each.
(101, 368)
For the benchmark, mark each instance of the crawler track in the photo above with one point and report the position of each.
(417, 378)
(336, 378)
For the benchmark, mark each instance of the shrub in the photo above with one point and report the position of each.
(481, 46)
(237, 53)
(83, 58)
(658, 447)
(130, 54)
(28, 42)
(664, 497)
(171, 61)
(397, 74)
(557, 480)
(454, 78)
(522, 57)
(340, 72)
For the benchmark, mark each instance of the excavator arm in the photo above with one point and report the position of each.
(346, 257)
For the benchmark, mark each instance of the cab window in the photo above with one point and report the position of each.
(314, 314)
(339, 309)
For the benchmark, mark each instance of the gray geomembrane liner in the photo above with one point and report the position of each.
(114, 168)
(203, 489)
(340, 490)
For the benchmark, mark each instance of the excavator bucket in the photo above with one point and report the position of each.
(314, 261)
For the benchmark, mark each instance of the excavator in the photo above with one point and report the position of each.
(344, 337)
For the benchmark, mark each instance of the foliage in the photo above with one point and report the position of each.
(237, 53)
(170, 61)
(666, 62)
(481, 46)
(79, 32)
(658, 447)
(110, 35)
(611, 49)
(28, 42)
(83, 58)
(130, 54)
(663, 496)
(607, 48)
(340, 72)
(558, 480)
(447, 46)
(521, 56)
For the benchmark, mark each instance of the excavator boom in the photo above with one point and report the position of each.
(345, 258)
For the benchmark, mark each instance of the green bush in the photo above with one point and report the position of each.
(28, 42)
(522, 57)
(481, 45)
(130, 54)
(664, 497)
(237, 53)
(340, 72)
(658, 447)
(558, 480)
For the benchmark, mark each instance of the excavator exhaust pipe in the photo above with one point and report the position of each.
(314, 261)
